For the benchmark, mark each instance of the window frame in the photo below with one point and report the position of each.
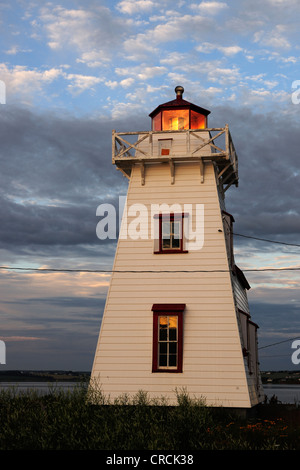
(170, 217)
(167, 310)
(165, 146)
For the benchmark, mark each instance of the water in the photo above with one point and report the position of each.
(41, 387)
(288, 394)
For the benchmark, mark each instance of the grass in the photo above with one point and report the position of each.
(68, 420)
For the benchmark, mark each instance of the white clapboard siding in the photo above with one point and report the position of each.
(178, 143)
(213, 363)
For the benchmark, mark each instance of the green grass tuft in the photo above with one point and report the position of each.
(85, 419)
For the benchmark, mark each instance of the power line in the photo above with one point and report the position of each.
(138, 271)
(276, 355)
(265, 240)
(280, 342)
(161, 271)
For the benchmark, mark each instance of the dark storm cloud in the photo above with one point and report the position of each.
(57, 157)
(73, 302)
(266, 203)
(55, 171)
(284, 315)
(45, 331)
(278, 327)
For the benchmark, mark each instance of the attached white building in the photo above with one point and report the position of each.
(177, 314)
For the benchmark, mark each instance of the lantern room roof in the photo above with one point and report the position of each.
(180, 103)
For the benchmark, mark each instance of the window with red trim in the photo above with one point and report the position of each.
(167, 337)
(170, 233)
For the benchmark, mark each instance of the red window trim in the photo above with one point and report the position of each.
(174, 310)
(171, 217)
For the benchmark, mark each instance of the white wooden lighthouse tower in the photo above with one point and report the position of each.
(177, 314)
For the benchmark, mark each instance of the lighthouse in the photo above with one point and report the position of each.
(177, 313)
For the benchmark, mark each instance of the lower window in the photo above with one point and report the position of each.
(167, 337)
(170, 233)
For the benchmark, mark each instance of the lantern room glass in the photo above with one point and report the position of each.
(156, 122)
(178, 119)
(198, 121)
(175, 120)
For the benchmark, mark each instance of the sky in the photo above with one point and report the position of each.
(70, 72)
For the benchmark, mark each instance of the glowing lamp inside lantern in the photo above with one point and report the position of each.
(178, 115)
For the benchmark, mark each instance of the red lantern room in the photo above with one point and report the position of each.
(178, 114)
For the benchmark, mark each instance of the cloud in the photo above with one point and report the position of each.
(139, 48)
(209, 8)
(282, 3)
(9, 339)
(135, 6)
(112, 84)
(15, 49)
(207, 48)
(25, 82)
(59, 22)
(174, 28)
(260, 78)
(214, 71)
(142, 72)
(277, 323)
(174, 58)
(127, 82)
(122, 109)
(98, 31)
(94, 58)
(44, 315)
(179, 27)
(276, 38)
(230, 50)
(56, 167)
(55, 204)
(81, 83)
(265, 204)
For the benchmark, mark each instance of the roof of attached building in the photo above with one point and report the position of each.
(241, 277)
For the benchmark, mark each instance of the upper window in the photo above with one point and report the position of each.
(167, 337)
(164, 146)
(170, 233)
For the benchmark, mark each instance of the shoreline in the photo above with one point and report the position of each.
(43, 376)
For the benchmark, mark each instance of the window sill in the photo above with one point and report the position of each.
(165, 252)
